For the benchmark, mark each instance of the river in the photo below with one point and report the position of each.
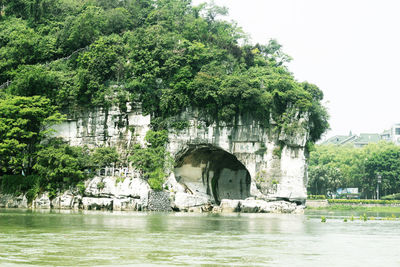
(77, 238)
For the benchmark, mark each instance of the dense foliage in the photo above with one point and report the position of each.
(23, 125)
(153, 161)
(332, 167)
(57, 55)
(166, 53)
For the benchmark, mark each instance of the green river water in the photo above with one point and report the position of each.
(76, 238)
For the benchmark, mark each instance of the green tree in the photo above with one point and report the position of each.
(355, 167)
(18, 45)
(60, 165)
(381, 159)
(31, 80)
(324, 179)
(81, 30)
(104, 62)
(153, 161)
(24, 123)
(105, 156)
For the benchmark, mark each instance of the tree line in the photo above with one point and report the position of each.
(332, 167)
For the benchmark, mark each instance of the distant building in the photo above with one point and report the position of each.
(395, 134)
(365, 138)
(339, 140)
(390, 135)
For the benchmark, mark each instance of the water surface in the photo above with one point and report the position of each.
(111, 238)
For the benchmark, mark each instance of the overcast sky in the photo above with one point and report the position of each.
(349, 48)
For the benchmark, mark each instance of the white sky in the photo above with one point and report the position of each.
(349, 48)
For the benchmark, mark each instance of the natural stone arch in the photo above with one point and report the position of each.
(210, 171)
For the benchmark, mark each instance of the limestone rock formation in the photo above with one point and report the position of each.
(42, 201)
(242, 165)
(116, 193)
(184, 201)
(10, 201)
(239, 159)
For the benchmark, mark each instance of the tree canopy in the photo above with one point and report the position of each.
(168, 54)
(332, 167)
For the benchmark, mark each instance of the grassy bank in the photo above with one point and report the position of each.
(358, 208)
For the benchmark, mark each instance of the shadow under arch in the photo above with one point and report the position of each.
(207, 170)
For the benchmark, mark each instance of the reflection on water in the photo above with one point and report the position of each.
(105, 238)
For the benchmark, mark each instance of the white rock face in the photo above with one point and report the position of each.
(276, 163)
(273, 176)
(125, 204)
(184, 201)
(128, 193)
(112, 194)
(42, 201)
(230, 205)
(93, 203)
(64, 201)
(261, 206)
(110, 127)
(10, 201)
(117, 187)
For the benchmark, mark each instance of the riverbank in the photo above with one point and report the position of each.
(134, 194)
(359, 207)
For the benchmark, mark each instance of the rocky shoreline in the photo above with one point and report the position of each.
(134, 194)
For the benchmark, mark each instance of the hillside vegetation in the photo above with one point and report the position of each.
(58, 55)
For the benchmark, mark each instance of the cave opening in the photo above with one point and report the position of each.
(211, 171)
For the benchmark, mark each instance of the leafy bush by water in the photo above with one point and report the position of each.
(19, 184)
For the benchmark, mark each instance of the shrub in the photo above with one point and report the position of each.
(105, 156)
(19, 184)
(154, 161)
(392, 197)
(32, 193)
(156, 179)
(81, 187)
(101, 185)
(180, 125)
(119, 180)
(157, 138)
(277, 152)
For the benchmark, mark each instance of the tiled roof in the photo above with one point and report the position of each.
(336, 140)
(365, 138)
